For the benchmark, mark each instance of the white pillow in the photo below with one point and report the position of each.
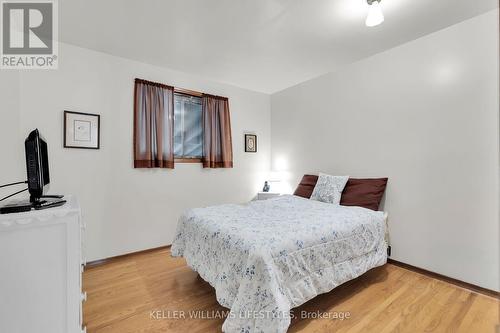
(329, 188)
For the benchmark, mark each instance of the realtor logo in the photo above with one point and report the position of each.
(29, 34)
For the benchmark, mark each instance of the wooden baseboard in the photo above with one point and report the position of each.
(100, 262)
(459, 283)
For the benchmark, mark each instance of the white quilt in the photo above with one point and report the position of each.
(266, 257)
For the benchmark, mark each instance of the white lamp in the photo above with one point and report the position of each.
(375, 15)
(275, 180)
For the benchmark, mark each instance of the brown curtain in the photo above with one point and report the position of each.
(217, 143)
(153, 125)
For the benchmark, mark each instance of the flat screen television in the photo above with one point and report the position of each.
(37, 165)
(37, 168)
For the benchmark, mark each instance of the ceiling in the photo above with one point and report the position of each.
(262, 45)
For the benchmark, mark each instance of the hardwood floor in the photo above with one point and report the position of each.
(124, 294)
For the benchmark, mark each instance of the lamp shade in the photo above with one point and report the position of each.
(375, 15)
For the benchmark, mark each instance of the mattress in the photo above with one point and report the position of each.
(266, 257)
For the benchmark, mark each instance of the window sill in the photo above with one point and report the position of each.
(187, 160)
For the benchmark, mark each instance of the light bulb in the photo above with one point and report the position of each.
(375, 15)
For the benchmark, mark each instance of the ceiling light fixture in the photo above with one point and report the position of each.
(375, 15)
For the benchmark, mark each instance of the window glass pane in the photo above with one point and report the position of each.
(188, 137)
(178, 132)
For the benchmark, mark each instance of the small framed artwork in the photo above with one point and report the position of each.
(250, 143)
(81, 130)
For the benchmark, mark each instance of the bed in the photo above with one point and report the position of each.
(267, 257)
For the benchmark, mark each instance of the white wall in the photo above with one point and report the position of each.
(425, 114)
(12, 147)
(130, 209)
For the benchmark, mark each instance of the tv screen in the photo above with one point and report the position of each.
(45, 161)
(37, 164)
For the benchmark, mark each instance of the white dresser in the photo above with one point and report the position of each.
(41, 265)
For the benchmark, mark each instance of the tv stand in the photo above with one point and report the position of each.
(52, 201)
(52, 196)
(38, 203)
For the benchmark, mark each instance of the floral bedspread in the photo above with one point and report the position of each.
(266, 257)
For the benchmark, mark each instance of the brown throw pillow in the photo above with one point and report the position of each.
(306, 186)
(365, 193)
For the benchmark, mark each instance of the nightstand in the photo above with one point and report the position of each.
(266, 195)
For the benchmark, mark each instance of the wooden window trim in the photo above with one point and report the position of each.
(187, 160)
(188, 92)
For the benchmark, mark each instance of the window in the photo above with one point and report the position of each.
(196, 127)
(188, 128)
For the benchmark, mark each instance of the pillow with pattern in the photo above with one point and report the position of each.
(329, 188)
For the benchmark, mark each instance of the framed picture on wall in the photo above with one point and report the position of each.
(250, 143)
(81, 130)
